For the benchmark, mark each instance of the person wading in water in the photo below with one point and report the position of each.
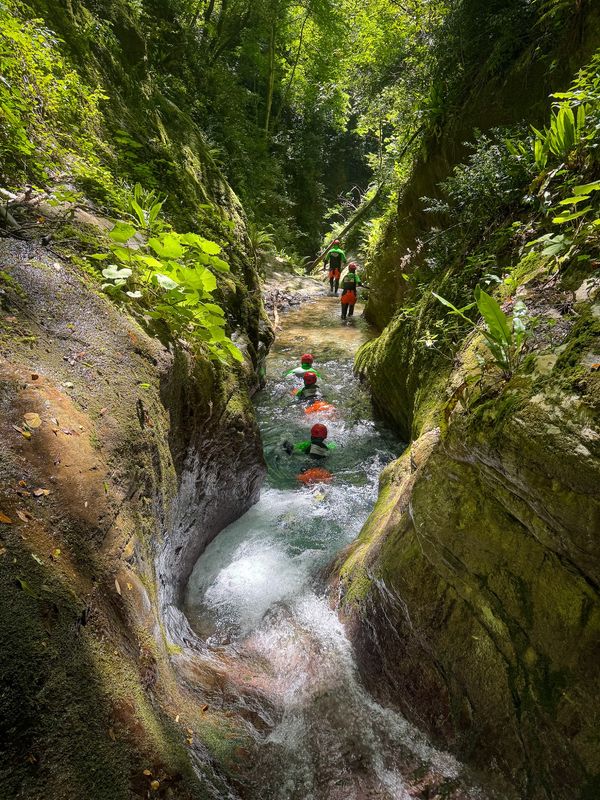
(350, 285)
(317, 447)
(310, 390)
(306, 365)
(335, 260)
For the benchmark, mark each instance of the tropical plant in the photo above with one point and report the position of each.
(504, 336)
(168, 276)
(562, 136)
(48, 116)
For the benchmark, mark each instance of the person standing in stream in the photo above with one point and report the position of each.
(335, 260)
(350, 285)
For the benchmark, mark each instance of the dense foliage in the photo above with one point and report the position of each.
(526, 201)
(298, 102)
(310, 108)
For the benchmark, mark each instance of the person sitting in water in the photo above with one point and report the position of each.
(317, 447)
(310, 390)
(306, 365)
(350, 285)
(335, 259)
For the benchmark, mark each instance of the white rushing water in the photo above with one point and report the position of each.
(257, 589)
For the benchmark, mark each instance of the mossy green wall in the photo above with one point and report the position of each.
(473, 589)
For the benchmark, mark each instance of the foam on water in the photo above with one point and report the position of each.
(258, 585)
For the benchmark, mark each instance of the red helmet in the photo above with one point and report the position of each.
(310, 378)
(336, 241)
(352, 267)
(306, 359)
(318, 431)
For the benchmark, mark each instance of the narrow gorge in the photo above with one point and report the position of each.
(190, 607)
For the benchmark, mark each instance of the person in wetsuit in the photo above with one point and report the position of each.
(335, 260)
(306, 365)
(310, 390)
(350, 285)
(316, 448)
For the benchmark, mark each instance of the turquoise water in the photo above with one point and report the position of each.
(281, 545)
(257, 593)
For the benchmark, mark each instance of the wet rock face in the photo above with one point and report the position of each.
(143, 454)
(483, 634)
(473, 590)
(218, 457)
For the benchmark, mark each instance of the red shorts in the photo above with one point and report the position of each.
(334, 273)
(348, 297)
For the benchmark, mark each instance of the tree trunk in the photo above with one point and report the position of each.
(293, 73)
(362, 209)
(270, 80)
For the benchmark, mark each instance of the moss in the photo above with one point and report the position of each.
(550, 685)
(358, 584)
(45, 659)
(429, 403)
(223, 739)
(527, 269)
(7, 282)
(591, 789)
(584, 337)
(489, 416)
(83, 236)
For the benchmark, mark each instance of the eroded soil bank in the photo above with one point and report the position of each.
(108, 497)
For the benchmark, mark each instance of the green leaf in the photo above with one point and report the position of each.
(233, 350)
(194, 240)
(169, 246)
(164, 281)
(124, 253)
(113, 273)
(99, 256)
(212, 248)
(499, 351)
(149, 261)
(562, 218)
(122, 232)
(495, 319)
(586, 188)
(446, 302)
(540, 153)
(581, 115)
(135, 295)
(139, 212)
(217, 333)
(215, 309)
(209, 281)
(25, 586)
(554, 249)
(154, 212)
(219, 264)
(193, 278)
(455, 310)
(572, 201)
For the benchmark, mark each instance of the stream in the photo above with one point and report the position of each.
(258, 592)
